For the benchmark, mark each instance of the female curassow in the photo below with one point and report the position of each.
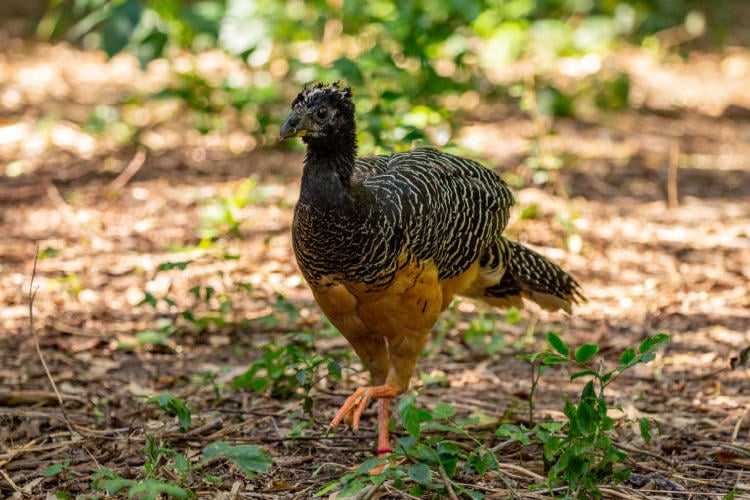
(385, 242)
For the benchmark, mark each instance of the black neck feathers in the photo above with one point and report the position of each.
(329, 162)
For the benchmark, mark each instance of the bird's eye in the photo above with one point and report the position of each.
(322, 113)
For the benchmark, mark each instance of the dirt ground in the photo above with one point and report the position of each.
(650, 212)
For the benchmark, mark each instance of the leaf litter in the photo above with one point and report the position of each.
(646, 268)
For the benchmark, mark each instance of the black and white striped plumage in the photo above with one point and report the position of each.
(357, 216)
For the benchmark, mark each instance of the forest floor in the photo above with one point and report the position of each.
(655, 252)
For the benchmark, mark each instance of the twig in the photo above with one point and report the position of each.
(32, 295)
(518, 468)
(10, 481)
(133, 167)
(612, 493)
(738, 425)
(398, 492)
(734, 448)
(371, 494)
(642, 452)
(674, 159)
(447, 483)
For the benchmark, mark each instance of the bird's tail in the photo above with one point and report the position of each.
(531, 276)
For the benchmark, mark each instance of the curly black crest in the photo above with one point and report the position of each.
(321, 94)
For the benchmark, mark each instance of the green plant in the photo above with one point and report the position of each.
(168, 473)
(251, 459)
(285, 367)
(481, 334)
(581, 453)
(154, 482)
(60, 469)
(146, 489)
(210, 309)
(172, 405)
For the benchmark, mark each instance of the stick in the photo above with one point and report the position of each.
(674, 158)
(133, 167)
(32, 295)
(447, 483)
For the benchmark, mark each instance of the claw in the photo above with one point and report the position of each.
(357, 402)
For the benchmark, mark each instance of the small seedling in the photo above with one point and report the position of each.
(481, 334)
(172, 405)
(147, 489)
(251, 459)
(61, 469)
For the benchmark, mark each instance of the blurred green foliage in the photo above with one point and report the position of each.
(413, 64)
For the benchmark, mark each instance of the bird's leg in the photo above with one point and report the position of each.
(384, 447)
(358, 401)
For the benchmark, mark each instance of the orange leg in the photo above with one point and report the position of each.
(384, 447)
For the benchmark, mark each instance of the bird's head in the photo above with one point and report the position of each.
(320, 113)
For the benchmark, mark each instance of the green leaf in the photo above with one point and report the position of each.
(652, 343)
(420, 473)
(301, 377)
(644, 424)
(443, 411)
(646, 357)
(119, 26)
(152, 337)
(553, 359)
(166, 266)
(513, 432)
(113, 486)
(628, 356)
(437, 426)
(175, 406)
(530, 357)
(181, 464)
(53, 470)
(584, 373)
(448, 453)
(588, 392)
(369, 465)
(328, 487)
(251, 459)
(586, 417)
(147, 299)
(153, 488)
(334, 369)
(552, 446)
(586, 352)
(557, 344)
(411, 417)
(622, 474)
(512, 316)
(354, 487)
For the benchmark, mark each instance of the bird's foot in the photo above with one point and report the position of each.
(352, 410)
(357, 402)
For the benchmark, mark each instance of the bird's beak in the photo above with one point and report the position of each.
(294, 126)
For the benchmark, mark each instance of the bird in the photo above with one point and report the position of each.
(385, 242)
